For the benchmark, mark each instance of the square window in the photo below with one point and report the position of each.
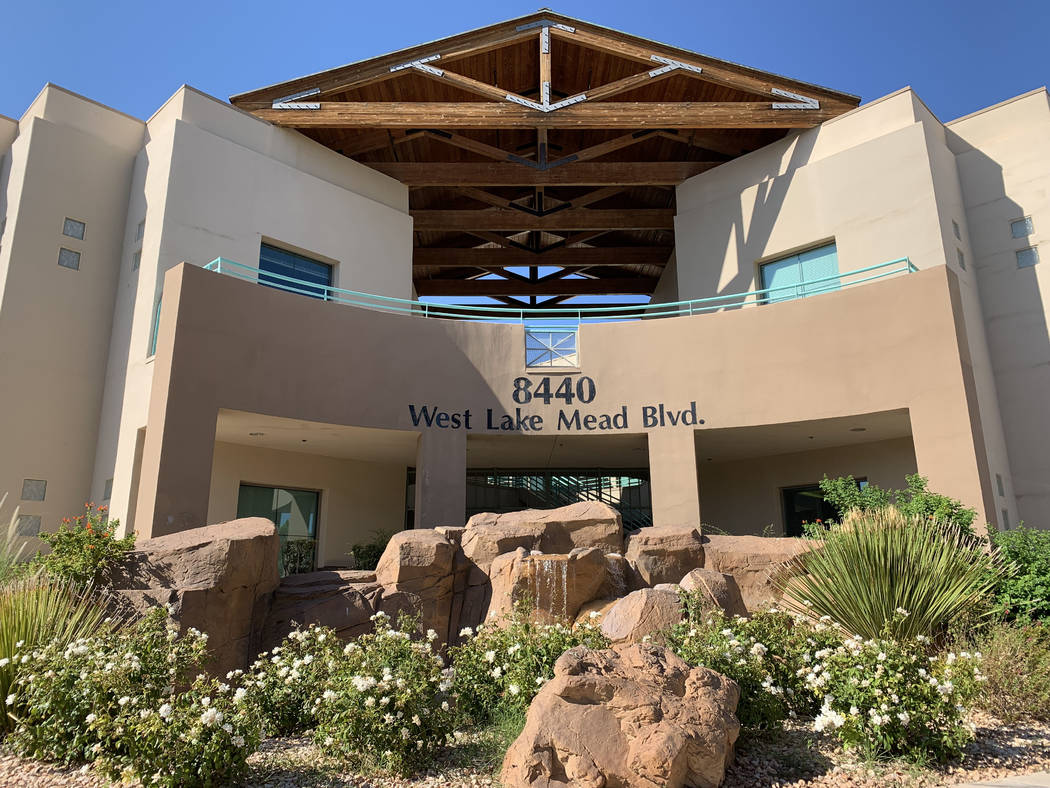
(136, 259)
(1026, 258)
(962, 259)
(27, 525)
(67, 258)
(553, 346)
(1022, 228)
(34, 489)
(140, 230)
(999, 484)
(1006, 519)
(955, 230)
(73, 229)
(107, 491)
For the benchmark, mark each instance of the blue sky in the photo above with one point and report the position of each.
(960, 56)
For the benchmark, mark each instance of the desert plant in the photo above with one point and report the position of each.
(387, 706)
(915, 500)
(1024, 596)
(499, 668)
(876, 563)
(885, 697)
(85, 548)
(1016, 661)
(12, 547)
(367, 554)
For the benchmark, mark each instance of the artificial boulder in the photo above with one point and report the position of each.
(643, 613)
(218, 578)
(555, 585)
(342, 599)
(664, 554)
(638, 718)
(716, 591)
(417, 569)
(753, 561)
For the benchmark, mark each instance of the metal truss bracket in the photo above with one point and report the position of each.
(292, 102)
(670, 65)
(544, 23)
(420, 65)
(800, 102)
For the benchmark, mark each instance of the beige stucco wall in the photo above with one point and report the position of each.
(728, 362)
(744, 496)
(1003, 156)
(212, 182)
(71, 158)
(357, 498)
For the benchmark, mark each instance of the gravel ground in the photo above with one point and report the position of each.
(793, 758)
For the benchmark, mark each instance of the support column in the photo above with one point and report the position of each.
(673, 478)
(441, 478)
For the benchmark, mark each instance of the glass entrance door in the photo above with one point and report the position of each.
(294, 512)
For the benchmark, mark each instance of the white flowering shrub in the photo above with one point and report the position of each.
(127, 701)
(502, 665)
(886, 697)
(286, 684)
(387, 706)
(764, 654)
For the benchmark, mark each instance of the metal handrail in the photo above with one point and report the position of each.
(494, 313)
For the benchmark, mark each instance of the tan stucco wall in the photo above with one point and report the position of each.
(212, 182)
(71, 158)
(365, 368)
(1003, 156)
(744, 496)
(357, 498)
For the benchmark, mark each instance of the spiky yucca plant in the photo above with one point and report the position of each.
(882, 573)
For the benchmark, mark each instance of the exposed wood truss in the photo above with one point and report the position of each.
(541, 153)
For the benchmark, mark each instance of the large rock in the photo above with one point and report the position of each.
(637, 718)
(218, 578)
(753, 561)
(556, 586)
(341, 599)
(418, 565)
(643, 613)
(716, 591)
(664, 554)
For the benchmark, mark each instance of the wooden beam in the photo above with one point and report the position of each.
(603, 148)
(468, 143)
(569, 219)
(585, 115)
(545, 65)
(592, 197)
(377, 141)
(660, 173)
(568, 287)
(561, 256)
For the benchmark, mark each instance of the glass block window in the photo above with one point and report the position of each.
(107, 491)
(801, 275)
(136, 260)
(1026, 258)
(955, 230)
(73, 229)
(67, 258)
(140, 230)
(34, 489)
(1022, 228)
(961, 258)
(27, 525)
(551, 346)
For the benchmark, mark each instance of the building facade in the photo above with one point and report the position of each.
(216, 312)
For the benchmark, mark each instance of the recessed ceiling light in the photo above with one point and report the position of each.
(858, 429)
(256, 434)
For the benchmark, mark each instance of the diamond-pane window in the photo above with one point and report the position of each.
(73, 229)
(551, 346)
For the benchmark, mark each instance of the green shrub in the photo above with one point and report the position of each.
(285, 684)
(84, 548)
(915, 500)
(367, 554)
(500, 667)
(879, 562)
(387, 706)
(886, 697)
(127, 701)
(1016, 660)
(767, 655)
(1025, 595)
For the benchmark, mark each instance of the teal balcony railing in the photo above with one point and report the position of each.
(583, 314)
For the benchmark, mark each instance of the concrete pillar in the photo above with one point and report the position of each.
(441, 478)
(673, 477)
